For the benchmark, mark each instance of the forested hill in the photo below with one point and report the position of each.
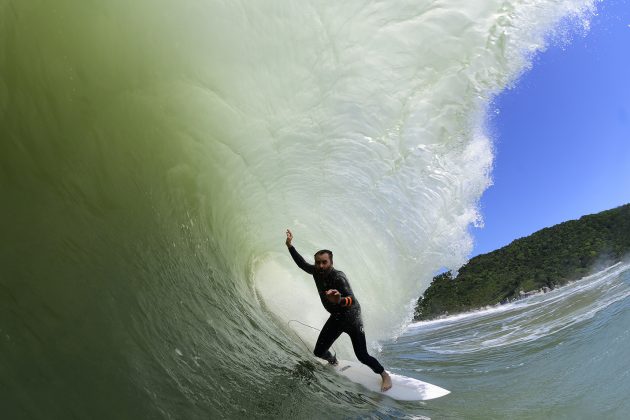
(549, 258)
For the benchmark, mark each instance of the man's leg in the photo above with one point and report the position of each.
(357, 336)
(330, 332)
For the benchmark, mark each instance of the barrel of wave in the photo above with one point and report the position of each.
(290, 294)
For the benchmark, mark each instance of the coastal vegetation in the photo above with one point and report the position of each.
(546, 259)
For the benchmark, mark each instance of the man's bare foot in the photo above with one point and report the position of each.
(387, 381)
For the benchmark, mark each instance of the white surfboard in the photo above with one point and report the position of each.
(403, 388)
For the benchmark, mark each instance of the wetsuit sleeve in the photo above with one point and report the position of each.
(309, 268)
(347, 297)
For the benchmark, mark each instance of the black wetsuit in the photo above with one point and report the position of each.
(345, 316)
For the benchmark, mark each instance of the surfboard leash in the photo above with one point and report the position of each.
(313, 328)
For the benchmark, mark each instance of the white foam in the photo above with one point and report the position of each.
(526, 320)
(360, 125)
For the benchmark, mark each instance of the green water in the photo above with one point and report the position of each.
(152, 154)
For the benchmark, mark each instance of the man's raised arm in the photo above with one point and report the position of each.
(310, 269)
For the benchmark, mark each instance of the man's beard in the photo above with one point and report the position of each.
(324, 270)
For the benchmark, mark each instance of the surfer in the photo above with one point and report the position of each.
(345, 312)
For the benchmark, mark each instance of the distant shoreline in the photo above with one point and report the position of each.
(538, 263)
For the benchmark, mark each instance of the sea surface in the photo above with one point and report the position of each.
(153, 153)
(558, 355)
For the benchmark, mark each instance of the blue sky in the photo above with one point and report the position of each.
(562, 134)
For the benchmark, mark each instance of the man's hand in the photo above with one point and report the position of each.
(333, 295)
(289, 238)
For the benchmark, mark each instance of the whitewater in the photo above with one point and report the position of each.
(153, 154)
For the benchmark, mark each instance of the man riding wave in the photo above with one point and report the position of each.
(345, 312)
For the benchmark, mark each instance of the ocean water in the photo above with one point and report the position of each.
(559, 355)
(153, 153)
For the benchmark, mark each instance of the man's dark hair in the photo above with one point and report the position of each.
(324, 251)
